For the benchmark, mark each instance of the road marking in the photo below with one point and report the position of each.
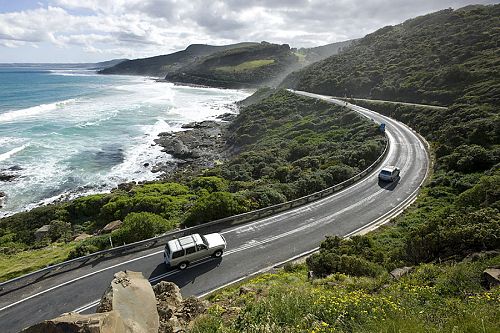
(76, 279)
(246, 246)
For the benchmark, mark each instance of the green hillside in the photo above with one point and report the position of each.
(233, 66)
(248, 66)
(158, 66)
(432, 59)
(282, 147)
(446, 239)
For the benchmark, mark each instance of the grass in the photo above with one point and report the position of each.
(245, 66)
(434, 298)
(13, 265)
(301, 56)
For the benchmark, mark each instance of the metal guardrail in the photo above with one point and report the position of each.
(213, 226)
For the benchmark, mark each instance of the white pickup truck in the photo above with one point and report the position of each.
(182, 251)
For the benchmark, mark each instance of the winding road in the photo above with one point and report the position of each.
(252, 248)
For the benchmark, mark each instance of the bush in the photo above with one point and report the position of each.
(214, 206)
(139, 226)
(211, 184)
(326, 263)
(60, 231)
(82, 250)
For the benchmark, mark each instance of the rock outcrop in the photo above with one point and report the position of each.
(128, 306)
(42, 232)
(200, 146)
(109, 322)
(111, 226)
(131, 305)
(398, 273)
(175, 313)
(131, 295)
(492, 276)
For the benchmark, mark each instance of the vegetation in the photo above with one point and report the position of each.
(245, 66)
(253, 65)
(284, 147)
(235, 65)
(431, 59)
(159, 66)
(433, 298)
(446, 58)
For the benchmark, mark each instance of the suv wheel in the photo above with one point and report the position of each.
(183, 265)
(217, 254)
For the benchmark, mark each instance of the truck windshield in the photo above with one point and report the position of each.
(204, 240)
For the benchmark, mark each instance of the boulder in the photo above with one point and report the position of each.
(81, 237)
(492, 277)
(3, 196)
(110, 227)
(175, 313)
(15, 168)
(168, 294)
(109, 322)
(131, 295)
(245, 290)
(127, 187)
(398, 273)
(191, 308)
(42, 232)
(130, 305)
(5, 177)
(481, 255)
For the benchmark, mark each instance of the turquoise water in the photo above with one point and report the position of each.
(67, 132)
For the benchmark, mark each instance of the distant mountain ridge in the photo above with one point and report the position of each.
(159, 66)
(232, 66)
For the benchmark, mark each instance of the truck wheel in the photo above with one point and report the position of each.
(217, 254)
(183, 265)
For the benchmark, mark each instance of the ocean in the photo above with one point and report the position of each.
(69, 131)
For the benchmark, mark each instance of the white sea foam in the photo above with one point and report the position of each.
(122, 119)
(13, 115)
(76, 72)
(7, 155)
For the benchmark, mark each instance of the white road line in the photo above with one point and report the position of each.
(249, 228)
(76, 279)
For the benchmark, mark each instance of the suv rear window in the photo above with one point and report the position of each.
(385, 172)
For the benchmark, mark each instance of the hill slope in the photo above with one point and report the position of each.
(433, 59)
(232, 66)
(160, 65)
(246, 66)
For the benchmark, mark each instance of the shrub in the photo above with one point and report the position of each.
(139, 226)
(60, 231)
(214, 206)
(211, 184)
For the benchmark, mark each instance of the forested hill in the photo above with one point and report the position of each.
(160, 65)
(248, 66)
(236, 65)
(434, 59)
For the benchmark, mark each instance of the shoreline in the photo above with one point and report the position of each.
(203, 145)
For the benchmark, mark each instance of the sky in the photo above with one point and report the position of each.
(99, 30)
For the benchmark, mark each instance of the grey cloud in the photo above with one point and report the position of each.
(150, 27)
(158, 8)
(216, 17)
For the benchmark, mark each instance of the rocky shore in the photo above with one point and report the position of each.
(200, 146)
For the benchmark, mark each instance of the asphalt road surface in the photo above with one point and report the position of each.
(252, 248)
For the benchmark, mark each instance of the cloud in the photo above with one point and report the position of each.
(149, 27)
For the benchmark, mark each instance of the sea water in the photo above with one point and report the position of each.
(66, 132)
